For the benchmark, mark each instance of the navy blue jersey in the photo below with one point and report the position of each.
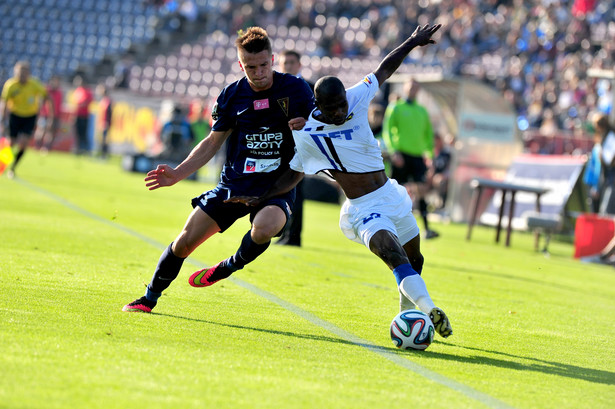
(261, 145)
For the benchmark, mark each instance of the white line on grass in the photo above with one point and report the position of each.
(397, 359)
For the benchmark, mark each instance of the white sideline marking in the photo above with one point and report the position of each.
(397, 359)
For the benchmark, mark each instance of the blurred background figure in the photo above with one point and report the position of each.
(20, 103)
(176, 136)
(409, 137)
(103, 123)
(199, 119)
(290, 63)
(81, 98)
(200, 123)
(375, 117)
(605, 133)
(438, 173)
(121, 71)
(50, 120)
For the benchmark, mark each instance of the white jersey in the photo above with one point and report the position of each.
(350, 147)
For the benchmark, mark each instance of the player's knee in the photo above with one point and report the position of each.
(180, 250)
(390, 255)
(181, 247)
(263, 233)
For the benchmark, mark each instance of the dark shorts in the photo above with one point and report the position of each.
(19, 125)
(225, 214)
(414, 170)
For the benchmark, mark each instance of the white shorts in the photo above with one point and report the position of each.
(387, 208)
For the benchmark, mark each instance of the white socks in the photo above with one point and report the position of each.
(414, 289)
(405, 303)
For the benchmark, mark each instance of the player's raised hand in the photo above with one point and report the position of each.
(423, 34)
(163, 175)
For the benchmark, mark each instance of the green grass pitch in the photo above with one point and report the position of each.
(298, 328)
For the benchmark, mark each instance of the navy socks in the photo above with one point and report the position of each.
(166, 271)
(248, 252)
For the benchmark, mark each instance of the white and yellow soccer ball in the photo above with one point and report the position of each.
(412, 329)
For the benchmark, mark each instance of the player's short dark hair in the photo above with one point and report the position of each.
(328, 86)
(253, 40)
(293, 53)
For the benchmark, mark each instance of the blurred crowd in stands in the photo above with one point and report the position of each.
(537, 53)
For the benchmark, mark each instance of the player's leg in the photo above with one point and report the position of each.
(267, 223)
(384, 234)
(198, 228)
(291, 236)
(415, 257)
(52, 132)
(416, 285)
(21, 130)
(39, 134)
(410, 283)
(386, 246)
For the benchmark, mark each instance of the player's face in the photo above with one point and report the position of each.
(289, 64)
(258, 69)
(333, 109)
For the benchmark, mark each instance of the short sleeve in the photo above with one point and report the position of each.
(5, 90)
(220, 113)
(296, 164)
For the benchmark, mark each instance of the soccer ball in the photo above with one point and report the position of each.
(412, 329)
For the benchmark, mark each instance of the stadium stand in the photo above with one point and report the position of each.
(536, 53)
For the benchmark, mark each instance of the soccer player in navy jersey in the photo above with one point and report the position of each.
(254, 115)
(338, 141)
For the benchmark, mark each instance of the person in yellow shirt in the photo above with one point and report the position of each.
(20, 103)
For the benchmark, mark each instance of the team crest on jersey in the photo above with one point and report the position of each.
(284, 105)
(214, 112)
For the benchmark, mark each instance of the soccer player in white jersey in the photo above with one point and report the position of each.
(337, 139)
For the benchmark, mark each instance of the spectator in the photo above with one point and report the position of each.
(592, 175)
(177, 137)
(82, 98)
(438, 173)
(121, 71)
(105, 112)
(606, 133)
(200, 121)
(51, 119)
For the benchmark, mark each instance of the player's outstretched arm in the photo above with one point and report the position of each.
(390, 63)
(164, 175)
